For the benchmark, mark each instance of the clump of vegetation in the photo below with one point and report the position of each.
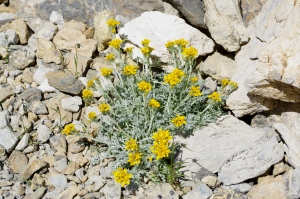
(142, 111)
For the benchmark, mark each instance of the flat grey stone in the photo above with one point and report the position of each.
(8, 139)
(292, 179)
(22, 58)
(242, 188)
(23, 142)
(163, 190)
(43, 133)
(201, 192)
(4, 119)
(5, 93)
(6, 17)
(38, 107)
(58, 180)
(64, 82)
(31, 94)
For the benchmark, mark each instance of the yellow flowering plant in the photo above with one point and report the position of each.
(142, 111)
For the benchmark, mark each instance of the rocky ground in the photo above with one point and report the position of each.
(253, 152)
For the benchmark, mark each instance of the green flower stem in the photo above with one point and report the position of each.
(169, 98)
(150, 125)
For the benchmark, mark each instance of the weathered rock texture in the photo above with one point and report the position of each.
(160, 28)
(84, 10)
(224, 22)
(250, 9)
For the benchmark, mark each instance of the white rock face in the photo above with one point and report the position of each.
(23, 142)
(40, 74)
(56, 18)
(4, 119)
(160, 28)
(277, 75)
(6, 17)
(292, 179)
(251, 162)
(8, 139)
(224, 21)
(71, 104)
(223, 146)
(289, 129)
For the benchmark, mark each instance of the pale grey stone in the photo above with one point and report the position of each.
(201, 192)
(292, 183)
(71, 103)
(56, 18)
(242, 188)
(40, 74)
(46, 31)
(8, 139)
(163, 190)
(23, 142)
(6, 17)
(160, 28)
(96, 182)
(210, 84)
(4, 119)
(21, 56)
(60, 164)
(33, 42)
(111, 190)
(251, 162)
(58, 180)
(43, 133)
(38, 107)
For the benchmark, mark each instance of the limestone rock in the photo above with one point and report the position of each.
(87, 48)
(65, 82)
(47, 51)
(55, 103)
(292, 183)
(38, 107)
(5, 93)
(23, 142)
(20, 27)
(8, 139)
(43, 133)
(56, 18)
(46, 30)
(37, 182)
(77, 25)
(31, 94)
(250, 9)
(37, 194)
(39, 75)
(69, 193)
(82, 63)
(7, 38)
(6, 17)
(192, 10)
(16, 161)
(269, 187)
(66, 39)
(70, 169)
(31, 168)
(58, 180)
(160, 28)
(71, 104)
(112, 190)
(4, 119)
(102, 34)
(84, 10)
(201, 192)
(251, 163)
(21, 57)
(223, 193)
(289, 130)
(163, 190)
(241, 188)
(218, 66)
(3, 155)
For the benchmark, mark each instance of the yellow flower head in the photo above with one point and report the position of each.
(194, 79)
(190, 52)
(161, 150)
(134, 158)
(181, 42)
(106, 71)
(215, 96)
(145, 42)
(144, 86)
(233, 84)
(116, 43)
(179, 120)
(86, 93)
(92, 115)
(225, 82)
(150, 158)
(162, 136)
(131, 145)
(146, 50)
(90, 83)
(112, 23)
(103, 107)
(195, 91)
(154, 103)
(169, 44)
(69, 128)
(128, 49)
(122, 176)
(174, 77)
(130, 70)
(110, 57)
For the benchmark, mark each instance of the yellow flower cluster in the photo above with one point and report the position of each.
(92, 115)
(106, 71)
(86, 93)
(174, 77)
(194, 79)
(179, 42)
(112, 23)
(190, 52)
(195, 91)
(134, 158)
(130, 70)
(116, 43)
(145, 42)
(233, 84)
(146, 50)
(110, 57)
(103, 107)
(144, 86)
(225, 82)
(131, 145)
(179, 120)
(128, 49)
(69, 128)
(154, 103)
(160, 145)
(90, 83)
(122, 176)
(215, 96)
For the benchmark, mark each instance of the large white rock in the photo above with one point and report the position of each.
(39, 75)
(8, 139)
(251, 162)
(160, 28)
(219, 147)
(277, 75)
(289, 130)
(224, 21)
